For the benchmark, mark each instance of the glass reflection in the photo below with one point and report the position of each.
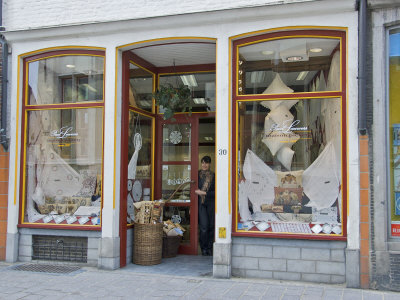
(176, 142)
(299, 64)
(289, 166)
(65, 79)
(139, 161)
(140, 88)
(183, 215)
(202, 86)
(63, 171)
(172, 177)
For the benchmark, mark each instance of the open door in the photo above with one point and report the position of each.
(177, 164)
(182, 144)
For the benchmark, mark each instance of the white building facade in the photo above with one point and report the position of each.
(275, 104)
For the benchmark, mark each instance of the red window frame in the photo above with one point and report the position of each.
(26, 107)
(236, 98)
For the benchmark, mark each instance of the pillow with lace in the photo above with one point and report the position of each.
(277, 139)
(288, 196)
(291, 179)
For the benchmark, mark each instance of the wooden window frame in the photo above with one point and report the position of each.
(26, 107)
(341, 94)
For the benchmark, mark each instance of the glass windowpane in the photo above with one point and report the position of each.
(139, 161)
(63, 172)
(202, 86)
(140, 88)
(172, 177)
(176, 142)
(170, 212)
(65, 79)
(289, 166)
(289, 65)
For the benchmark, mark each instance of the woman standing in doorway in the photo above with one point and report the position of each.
(206, 193)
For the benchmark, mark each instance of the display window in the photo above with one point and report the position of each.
(289, 137)
(394, 128)
(63, 139)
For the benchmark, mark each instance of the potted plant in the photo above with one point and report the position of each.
(173, 99)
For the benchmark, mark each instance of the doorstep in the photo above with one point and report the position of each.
(181, 265)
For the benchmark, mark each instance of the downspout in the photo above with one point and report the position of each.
(4, 81)
(362, 54)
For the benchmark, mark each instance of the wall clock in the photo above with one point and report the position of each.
(137, 191)
(175, 137)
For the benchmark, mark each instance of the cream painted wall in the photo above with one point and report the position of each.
(27, 14)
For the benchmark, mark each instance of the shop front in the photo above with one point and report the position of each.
(383, 147)
(274, 104)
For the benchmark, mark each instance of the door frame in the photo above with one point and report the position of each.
(128, 56)
(193, 119)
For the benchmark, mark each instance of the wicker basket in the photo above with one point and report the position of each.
(147, 244)
(170, 246)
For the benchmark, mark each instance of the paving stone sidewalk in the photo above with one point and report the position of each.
(92, 283)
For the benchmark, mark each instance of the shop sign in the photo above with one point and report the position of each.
(286, 126)
(63, 132)
(63, 137)
(395, 229)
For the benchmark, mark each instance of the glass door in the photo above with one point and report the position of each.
(178, 169)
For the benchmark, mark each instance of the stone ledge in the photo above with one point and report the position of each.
(222, 271)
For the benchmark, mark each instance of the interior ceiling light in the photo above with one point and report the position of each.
(199, 100)
(189, 80)
(302, 75)
(208, 138)
(294, 51)
(315, 50)
(70, 66)
(267, 52)
(294, 58)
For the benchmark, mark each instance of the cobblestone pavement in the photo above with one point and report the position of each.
(92, 283)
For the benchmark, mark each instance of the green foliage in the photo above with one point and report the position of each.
(173, 99)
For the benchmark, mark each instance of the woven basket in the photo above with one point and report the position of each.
(147, 244)
(170, 246)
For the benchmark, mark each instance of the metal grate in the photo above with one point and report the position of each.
(394, 272)
(57, 269)
(56, 248)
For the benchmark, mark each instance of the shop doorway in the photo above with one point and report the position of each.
(183, 143)
(165, 153)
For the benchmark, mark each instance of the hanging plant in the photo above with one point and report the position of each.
(173, 99)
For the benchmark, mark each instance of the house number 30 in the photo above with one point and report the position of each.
(222, 152)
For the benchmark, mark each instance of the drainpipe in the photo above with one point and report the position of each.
(362, 54)
(4, 81)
